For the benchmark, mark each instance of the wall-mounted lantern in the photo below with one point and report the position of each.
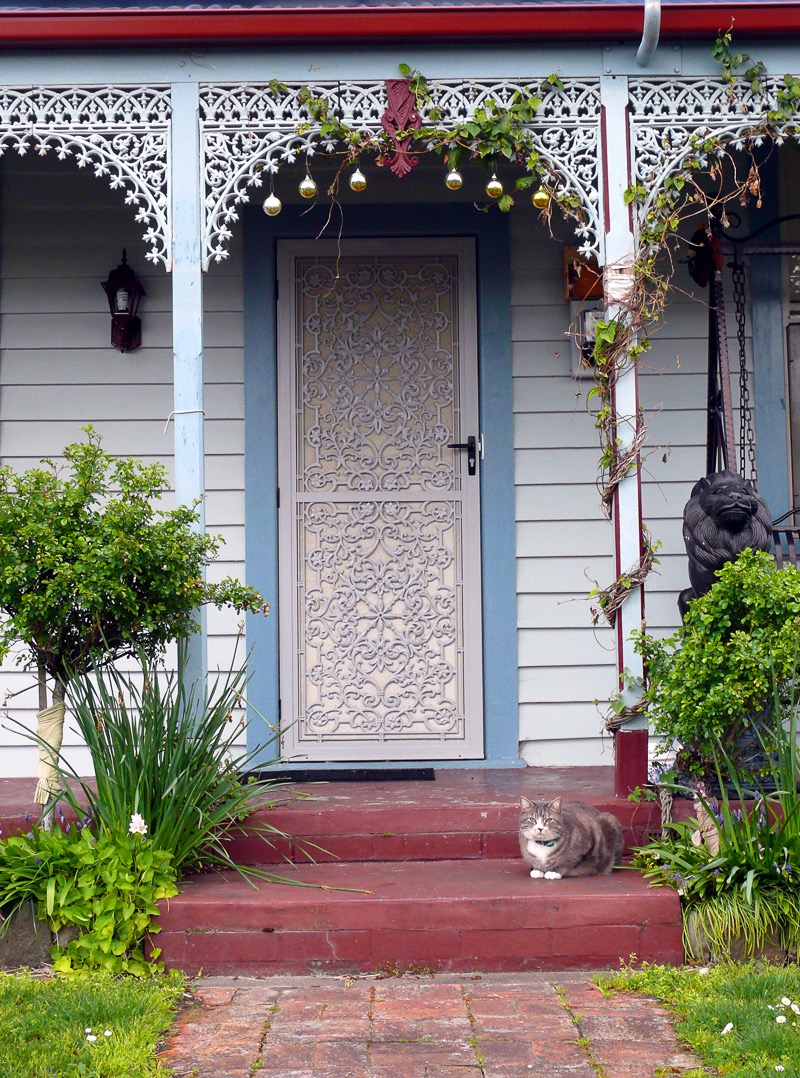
(124, 293)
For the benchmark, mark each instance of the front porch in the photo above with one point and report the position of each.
(438, 883)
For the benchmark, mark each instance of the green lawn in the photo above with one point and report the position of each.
(47, 1025)
(743, 1020)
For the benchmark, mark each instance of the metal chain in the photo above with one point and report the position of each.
(747, 438)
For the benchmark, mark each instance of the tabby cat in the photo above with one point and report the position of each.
(567, 838)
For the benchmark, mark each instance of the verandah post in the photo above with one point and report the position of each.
(187, 333)
(630, 757)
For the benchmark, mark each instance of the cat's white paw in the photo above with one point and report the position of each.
(536, 874)
(552, 875)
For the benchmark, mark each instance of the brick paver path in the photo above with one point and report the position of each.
(558, 1025)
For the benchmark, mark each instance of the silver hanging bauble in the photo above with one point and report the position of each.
(272, 205)
(453, 180)
(307, 188)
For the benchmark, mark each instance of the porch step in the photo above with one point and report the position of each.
(463, 815)
(456, 915)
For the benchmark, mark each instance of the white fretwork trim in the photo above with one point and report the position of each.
(250, 130)
(121, 133)
(669, 115)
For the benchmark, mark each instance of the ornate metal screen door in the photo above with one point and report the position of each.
(380, 537)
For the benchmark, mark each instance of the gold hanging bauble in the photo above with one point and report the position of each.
(307, 188)
(272, 205)
(494, 188)
(453, 180)
(541, 198)
(358, 181)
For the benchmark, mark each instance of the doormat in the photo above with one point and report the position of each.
(350, 774)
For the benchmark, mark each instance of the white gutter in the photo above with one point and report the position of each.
(650, 32)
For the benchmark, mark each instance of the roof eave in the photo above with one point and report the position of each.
(583, 21)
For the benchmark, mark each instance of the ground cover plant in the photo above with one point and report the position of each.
(106, 886)
(90, 1025)
(742, 1019)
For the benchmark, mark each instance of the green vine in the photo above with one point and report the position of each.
(709, 179)
(495, 132)
(706, 182)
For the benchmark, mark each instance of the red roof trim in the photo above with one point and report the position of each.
(582, 21)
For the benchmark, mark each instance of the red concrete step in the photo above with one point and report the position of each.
(441, 915)
(460, 816)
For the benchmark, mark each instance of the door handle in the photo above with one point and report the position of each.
(472, 456)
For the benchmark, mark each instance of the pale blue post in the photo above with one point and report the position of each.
(187, 331)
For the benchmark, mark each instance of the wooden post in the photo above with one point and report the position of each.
(631, 740)
(187, 332)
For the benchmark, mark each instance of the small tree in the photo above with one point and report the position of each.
(91, 570)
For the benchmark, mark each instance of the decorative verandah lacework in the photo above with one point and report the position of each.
(249, 130)
(668, 116)
(122, 134)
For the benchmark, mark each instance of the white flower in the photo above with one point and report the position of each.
(702, 970)
(727, 1029)
(107, 1033)
(91, 1037)
(786, 1001)
(778, 1067)
(88, 1029)
(138, 826)
(780, 1019)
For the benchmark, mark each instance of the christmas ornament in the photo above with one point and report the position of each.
(494, 188)
(272, 205)
(307, 188)
(541, 198)
(358, 181)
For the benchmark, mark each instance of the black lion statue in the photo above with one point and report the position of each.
(723, 516)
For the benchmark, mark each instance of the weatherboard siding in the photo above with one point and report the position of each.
(58, 372)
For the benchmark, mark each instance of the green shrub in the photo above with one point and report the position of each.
(739, 882)
(105, 884)
(91, 567)
(707, 682)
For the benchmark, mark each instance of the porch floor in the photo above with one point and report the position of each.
(437, 882)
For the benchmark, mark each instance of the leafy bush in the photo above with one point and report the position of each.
(737, 869)
(708, 681)
(91, 569)
(106, 885)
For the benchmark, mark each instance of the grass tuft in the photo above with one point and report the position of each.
(43, 1024)
(744, 999)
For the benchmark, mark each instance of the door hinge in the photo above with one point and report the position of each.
(278, 497)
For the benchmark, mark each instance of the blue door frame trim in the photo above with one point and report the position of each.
(497, 470)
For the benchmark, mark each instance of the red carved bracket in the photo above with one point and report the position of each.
(401, 115)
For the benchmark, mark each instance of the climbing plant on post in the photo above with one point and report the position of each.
(91, 570)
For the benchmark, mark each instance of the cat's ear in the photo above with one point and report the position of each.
(555, 804)
(524, 803)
